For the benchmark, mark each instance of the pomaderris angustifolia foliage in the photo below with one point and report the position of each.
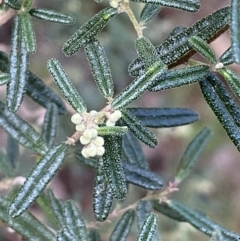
(107, 139)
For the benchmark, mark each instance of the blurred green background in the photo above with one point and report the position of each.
(213, 186)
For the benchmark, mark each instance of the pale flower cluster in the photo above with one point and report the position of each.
(114, 3)
(87, 124)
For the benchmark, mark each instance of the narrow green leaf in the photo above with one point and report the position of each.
(216, 236)
(26, 225)
(65, 85)
(187, 5)
(94, 235)
(149, 11)
(122, 229)
(142, 177)
(15, 4)
(52, 16)
(176, 49)
(227, 57)
(36, 89)
(102, 194)
(138, 86)
(192, 153)
(144, 208)
(5, 166)
(12, 151)
(100, 67)
(232, 78)
(164, 117)
(163, 207)
(180, 77)
(235, 29)
(88, 31)
(21, 131)
(147, 52)
(65, 235)
(28, 32)
(4, 78)
(148, 228)
(50, 123)
(112, 130)
(18, 68)
(203, 48)
(223, 105)
(113, 166)
(41, 174)
(132, 151)
(74, 222)
(90, 162)
(138, 129)
(27, 5)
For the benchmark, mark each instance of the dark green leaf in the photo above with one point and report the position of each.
(41, 174)
(138, 86)
(192, 153)
(123, 226)
(102, 194)
(20, 130)
(176, 49)
(232, 78)
(66, 86)
(15, 4)
(12, 151)
(28, 32)
(5, 166)
(52, 16)
(18, 68)
(90, 162)
(235, 29)
(148, 228)
(94, 235)
(144, 208)
(227, 57)
(66, 235)
(88, 31)
(223, 105)
(73, 221)
(27, 5)
(179, 77)
(132, 151)
(164, 117)
(142, 177)
(4, 78)
(138, 129)
(112, 130)
(100, 67)
(187, 5)
(149, 11)
(50, 123)
(4, 62)
(113, 166)
(203, 48)
(26, 225)
(147, 52)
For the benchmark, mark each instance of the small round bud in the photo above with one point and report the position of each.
(114, 4)
(98, 141)
(87, 133)
(219, 65)
(93, 112)
(84, 140)
(118, 113)
(100, 150)
(84, 153)
(91, 150)
(94, 132)
(76, 119)
(80, 127)
(110, 123)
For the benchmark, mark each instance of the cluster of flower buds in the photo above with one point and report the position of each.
(114, 3)
(87, 125)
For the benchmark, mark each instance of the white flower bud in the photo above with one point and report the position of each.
(118, 114)
(98, 141)
(84, 140)
(80, 127)
(114, 4)
(76, 119)
(110, 123)
(84, 153)
(100, 150)
(115, 116)
(93, 112)
(219, 66)
(87, 133)
(91, 150)
(94, 132)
